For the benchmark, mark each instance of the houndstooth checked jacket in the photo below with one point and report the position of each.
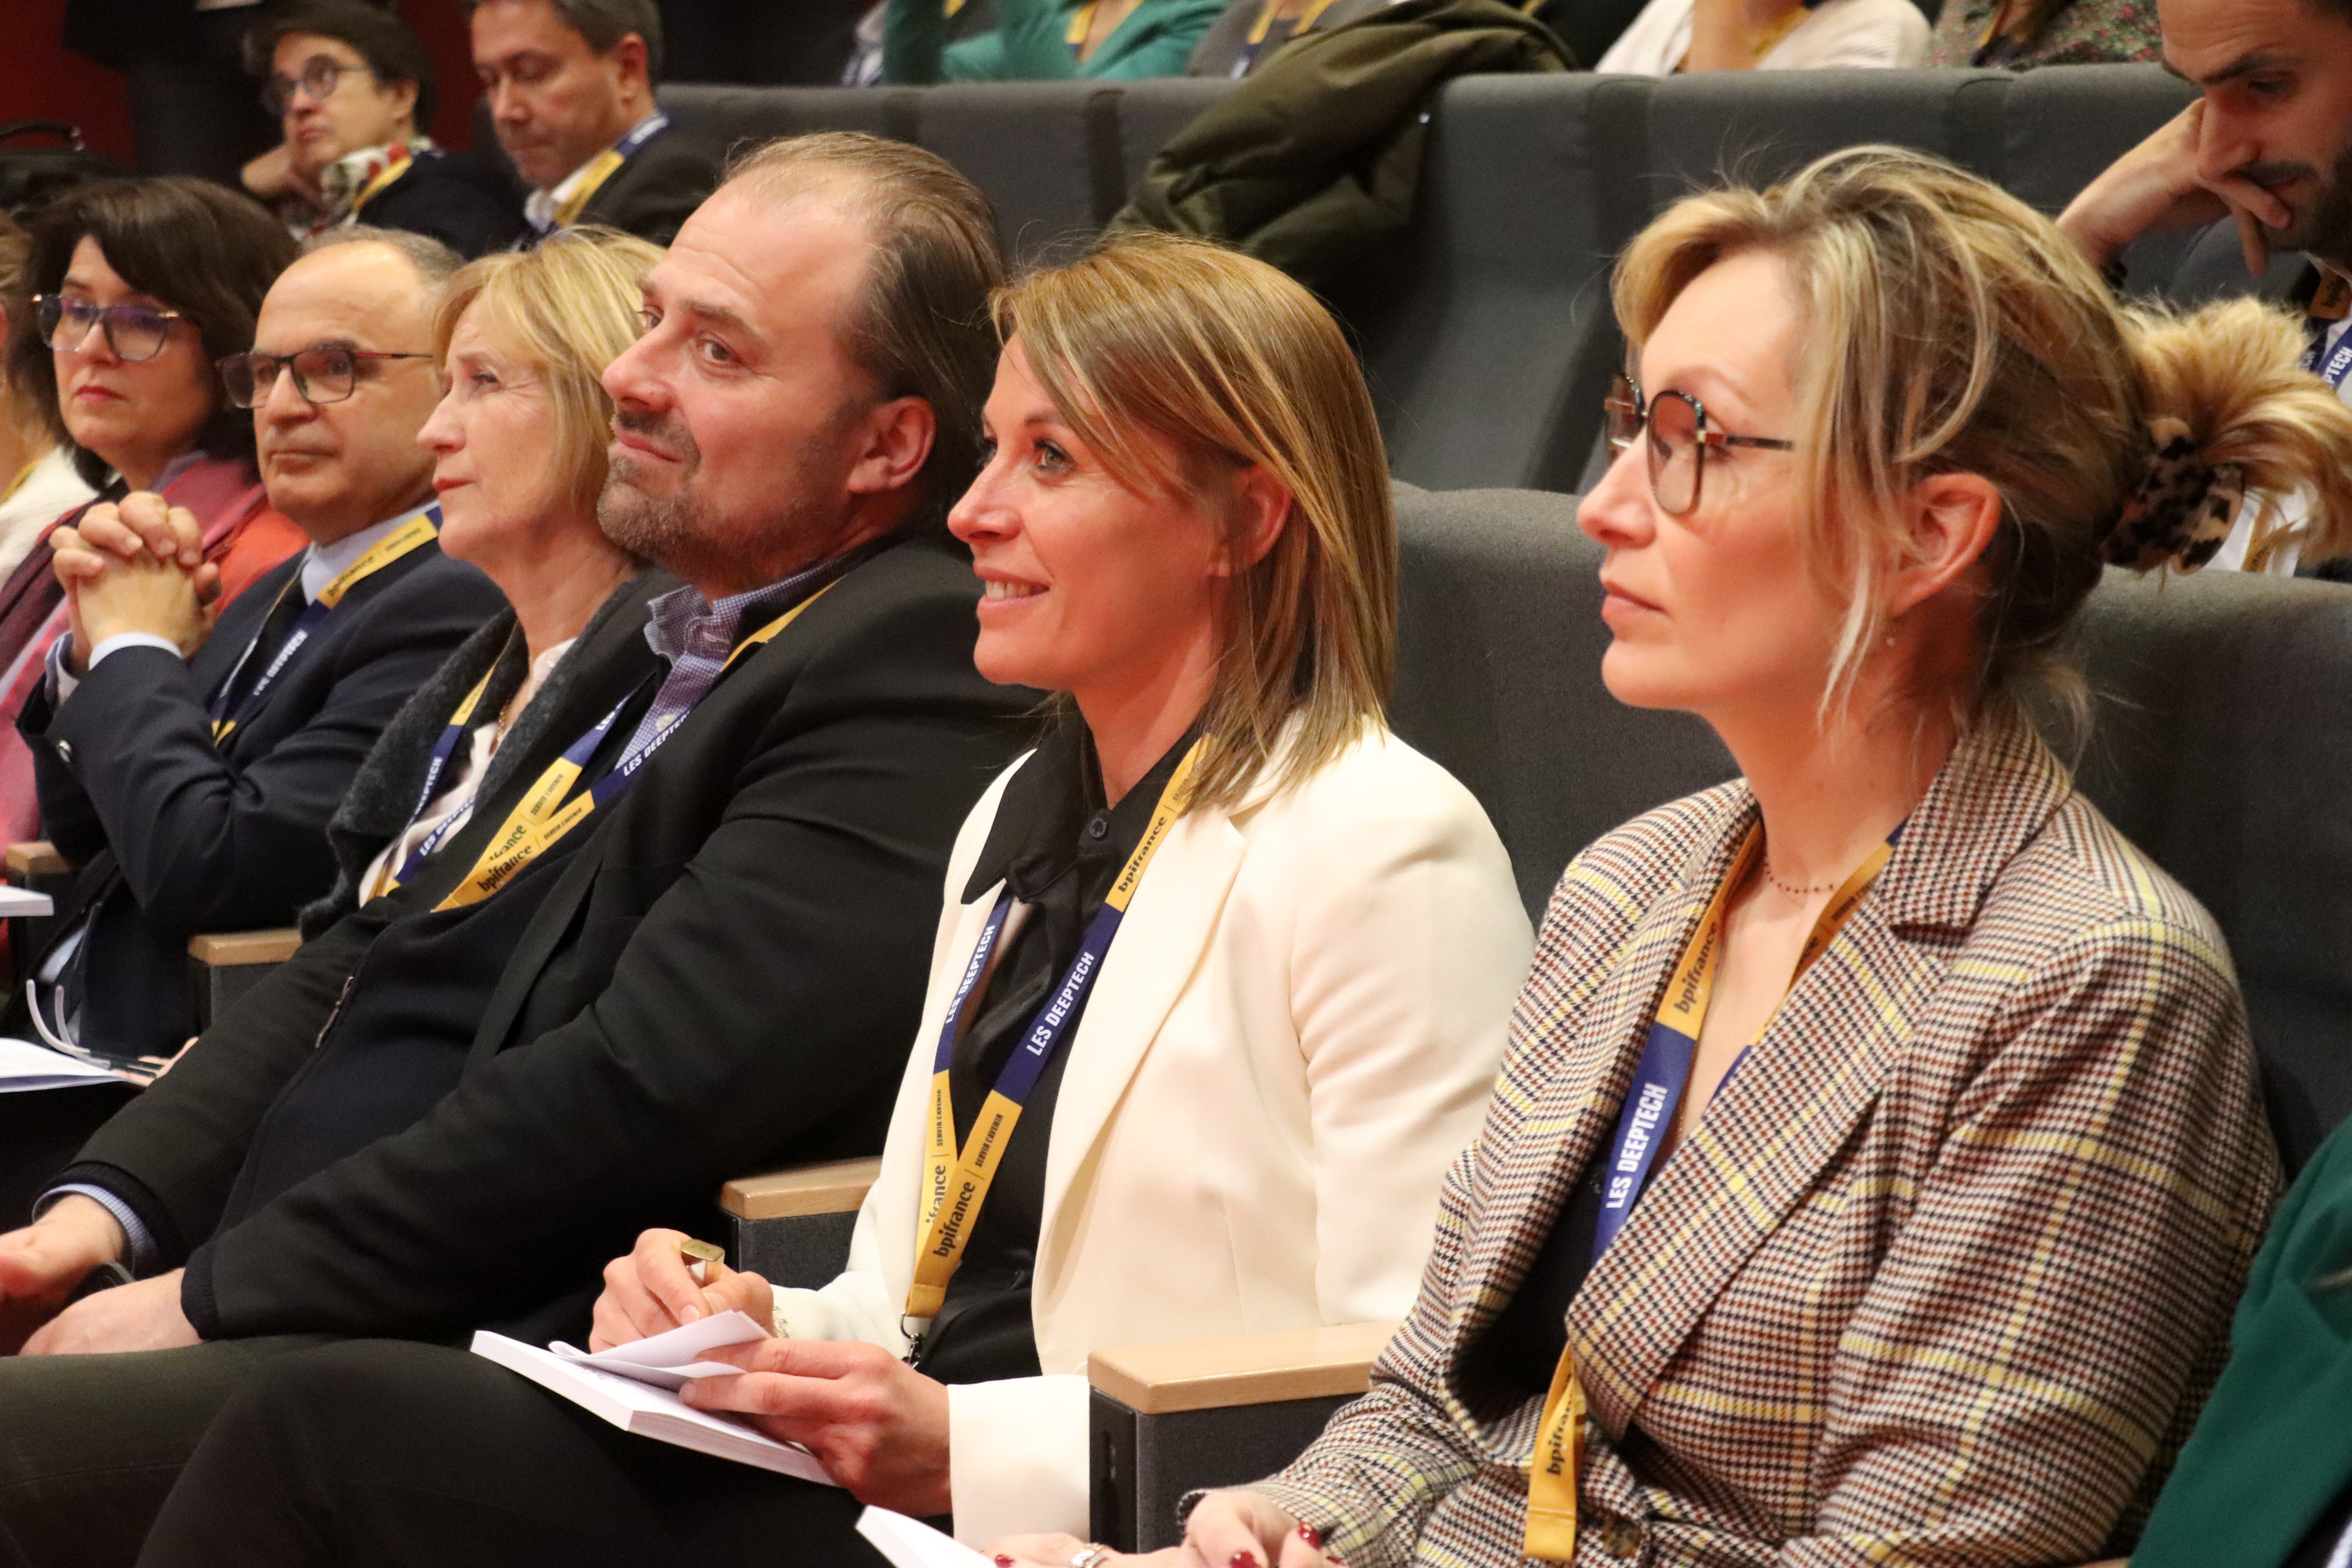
(1944, 1274)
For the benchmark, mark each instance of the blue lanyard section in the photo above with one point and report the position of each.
(605, 790)
(627, 145)
(2334, 367)
(971, 973)
(1659, 1080)
(2328, 310)
(1663, 1073)
(1053, 1021)
(226, 705)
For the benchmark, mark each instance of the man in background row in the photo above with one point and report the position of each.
(570, 89)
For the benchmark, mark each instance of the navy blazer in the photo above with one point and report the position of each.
(173, 836)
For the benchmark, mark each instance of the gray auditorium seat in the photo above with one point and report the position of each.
(2212, 266)
(729, 115)
(2062, 124)
(2221, 744)
(2223, 748)
(1474, 330)
(1498, 679)
(1045, 152)
(1149, 112)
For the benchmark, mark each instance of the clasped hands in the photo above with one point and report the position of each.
(135, 566)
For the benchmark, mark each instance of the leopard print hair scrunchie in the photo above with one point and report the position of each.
(2181, 510)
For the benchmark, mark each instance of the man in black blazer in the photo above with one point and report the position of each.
(450, 1109)
(571, 90)
(193, 791)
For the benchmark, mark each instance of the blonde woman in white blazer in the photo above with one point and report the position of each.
(1185, 526)
(1249, 1084)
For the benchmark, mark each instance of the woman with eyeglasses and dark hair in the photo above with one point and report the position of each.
(1879, 1151)
(136, 287)
(353, 91)
(132, 288)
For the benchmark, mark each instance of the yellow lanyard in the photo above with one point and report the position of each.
(543, 817)
(395, 165)
(947, 1222)
(417, 532)
(605, 166)
(1559, 1455)
(1305, 22)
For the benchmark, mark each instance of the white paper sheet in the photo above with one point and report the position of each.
(25, 1066)
(650, 1412)
(668, 1361)
(912, 1543)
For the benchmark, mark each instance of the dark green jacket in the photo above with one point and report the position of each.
(1031, 42)
(1315, 156)
(2274, 1445)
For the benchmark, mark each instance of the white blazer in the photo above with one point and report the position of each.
(1293, 1034)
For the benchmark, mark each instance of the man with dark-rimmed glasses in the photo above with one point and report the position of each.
(188, 768)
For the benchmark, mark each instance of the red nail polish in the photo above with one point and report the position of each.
(1003, 1561)
(1240, 1559)
(1309, 1534)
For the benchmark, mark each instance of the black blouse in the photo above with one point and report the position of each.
(1057, 847)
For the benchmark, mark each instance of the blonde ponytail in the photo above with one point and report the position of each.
(2232, 376)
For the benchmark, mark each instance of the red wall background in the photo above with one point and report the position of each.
(40, 80)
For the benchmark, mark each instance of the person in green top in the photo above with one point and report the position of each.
(2265, 1479)
(1114, 40)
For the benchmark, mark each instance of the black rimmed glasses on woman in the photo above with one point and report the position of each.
(132, 331)
(1679, 435)
(324, 373)
(319, 78)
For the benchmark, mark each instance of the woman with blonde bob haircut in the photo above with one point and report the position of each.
(520, 437)
(1877, 1153)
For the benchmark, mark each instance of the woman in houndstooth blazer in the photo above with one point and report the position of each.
(1939, 1269)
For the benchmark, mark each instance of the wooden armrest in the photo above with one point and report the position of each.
(836, 1187)
(1246, 1369)
(236, 948)
(37, 857)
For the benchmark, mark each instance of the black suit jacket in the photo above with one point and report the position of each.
(723, 976)
(459, 198)
(656, 190)
(174, 836)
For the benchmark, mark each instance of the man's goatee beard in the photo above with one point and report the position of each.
(645, 527)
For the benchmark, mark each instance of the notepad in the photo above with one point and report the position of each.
(25, 1066)
(912, 1543)
(646, 1411)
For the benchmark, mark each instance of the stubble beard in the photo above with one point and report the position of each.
(675, 532)
(2323, 226)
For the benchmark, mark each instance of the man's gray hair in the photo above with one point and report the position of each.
(434, 262)
(604, 23)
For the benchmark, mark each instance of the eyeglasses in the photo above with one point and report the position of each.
(325, 373)
(1675, 423)
(318, 82)
(132, 331)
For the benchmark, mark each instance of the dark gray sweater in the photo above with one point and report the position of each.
(377, 807)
